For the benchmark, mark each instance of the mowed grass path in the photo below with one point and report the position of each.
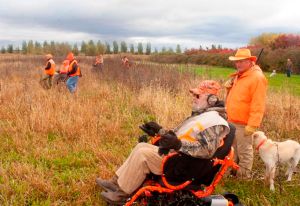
(277, 83)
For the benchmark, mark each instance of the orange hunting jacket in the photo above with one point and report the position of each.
(245, 102)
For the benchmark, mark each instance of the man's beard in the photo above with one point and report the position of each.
(199, 107)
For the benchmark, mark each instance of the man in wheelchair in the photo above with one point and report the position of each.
(199, 138)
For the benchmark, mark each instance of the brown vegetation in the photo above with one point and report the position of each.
(54, 144)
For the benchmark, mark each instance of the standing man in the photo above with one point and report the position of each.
(289, 67)
(49, 70)
(62, 75)
(245, 106)
(125, 62)
(73, 73)
(99, 62)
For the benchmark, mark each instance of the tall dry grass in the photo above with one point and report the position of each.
(54, 144)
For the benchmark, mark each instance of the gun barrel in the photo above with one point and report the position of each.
(259, 55)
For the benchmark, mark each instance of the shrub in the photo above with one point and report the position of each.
(269, 60)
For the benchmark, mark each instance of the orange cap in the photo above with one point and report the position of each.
(48, 56)
(70, 56)
(207, 87)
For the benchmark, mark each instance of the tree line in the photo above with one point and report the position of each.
(276, 41)
(89, 48)
(277, 49)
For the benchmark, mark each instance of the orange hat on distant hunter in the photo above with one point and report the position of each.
(70, 56)
(48, 56)
(207, 87)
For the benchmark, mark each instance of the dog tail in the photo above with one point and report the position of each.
(297, 155)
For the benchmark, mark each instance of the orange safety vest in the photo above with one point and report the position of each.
(99, 60)
(50, 71)
(64, 67)
(77, 73)
(125, 61)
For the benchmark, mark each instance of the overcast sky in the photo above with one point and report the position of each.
(190, 23)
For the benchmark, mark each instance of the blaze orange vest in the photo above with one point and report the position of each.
(77, 73)
(50, 71)
(99, 60)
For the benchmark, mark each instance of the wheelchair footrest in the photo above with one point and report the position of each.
(218, 200)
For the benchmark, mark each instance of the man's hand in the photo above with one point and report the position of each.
(169, 140)
(162, 151)
(249, 130)
(228, 84)
(151, 128)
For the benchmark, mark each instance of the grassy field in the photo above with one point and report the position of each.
(54, 145)
(277, 83)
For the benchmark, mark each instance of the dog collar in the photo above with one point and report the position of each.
(260, 144)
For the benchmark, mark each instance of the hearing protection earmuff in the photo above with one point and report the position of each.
(212, 99)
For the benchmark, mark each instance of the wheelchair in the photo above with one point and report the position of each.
(188, 181)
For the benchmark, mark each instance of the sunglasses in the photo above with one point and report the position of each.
(196, 95)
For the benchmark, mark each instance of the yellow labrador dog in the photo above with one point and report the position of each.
(273, 153)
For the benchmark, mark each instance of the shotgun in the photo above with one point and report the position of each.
(259, 55)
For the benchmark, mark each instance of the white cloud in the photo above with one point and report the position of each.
(190, 23)
(39, 33)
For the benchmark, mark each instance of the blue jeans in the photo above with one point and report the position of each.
(72, 83)
(288, 73)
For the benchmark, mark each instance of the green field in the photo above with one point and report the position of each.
(278, 82)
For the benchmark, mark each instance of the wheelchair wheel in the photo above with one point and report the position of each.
(233, 198)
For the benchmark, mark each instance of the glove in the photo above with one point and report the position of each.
(143, 138)
(162, 151)
(249, 130)
(169, 141)
(151, 128)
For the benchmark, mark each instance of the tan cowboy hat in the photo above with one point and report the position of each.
(242, 54)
